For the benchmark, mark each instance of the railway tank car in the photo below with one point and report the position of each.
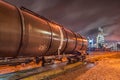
(25, 33)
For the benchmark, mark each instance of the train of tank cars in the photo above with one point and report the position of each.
(26, 36)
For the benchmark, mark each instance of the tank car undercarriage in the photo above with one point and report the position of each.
(46, 60)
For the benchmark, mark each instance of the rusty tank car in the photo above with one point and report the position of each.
(25, 33)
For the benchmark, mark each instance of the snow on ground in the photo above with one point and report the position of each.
(107, 67)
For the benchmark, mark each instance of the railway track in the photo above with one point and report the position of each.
(25, 73)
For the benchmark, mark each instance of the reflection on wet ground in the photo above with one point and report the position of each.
(90, 65)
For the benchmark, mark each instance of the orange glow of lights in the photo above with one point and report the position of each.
(8, 69)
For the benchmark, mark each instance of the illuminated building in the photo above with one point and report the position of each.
(100, 38)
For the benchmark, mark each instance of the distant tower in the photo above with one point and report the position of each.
(100, 38)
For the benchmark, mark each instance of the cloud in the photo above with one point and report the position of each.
(83, 16)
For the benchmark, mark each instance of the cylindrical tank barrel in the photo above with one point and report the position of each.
(24, 33)
(10, 30)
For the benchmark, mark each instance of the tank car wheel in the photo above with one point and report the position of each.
(43, 61)
(69, 60)
(37, 59)
(83, 57)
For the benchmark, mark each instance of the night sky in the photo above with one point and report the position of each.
(82, 16)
